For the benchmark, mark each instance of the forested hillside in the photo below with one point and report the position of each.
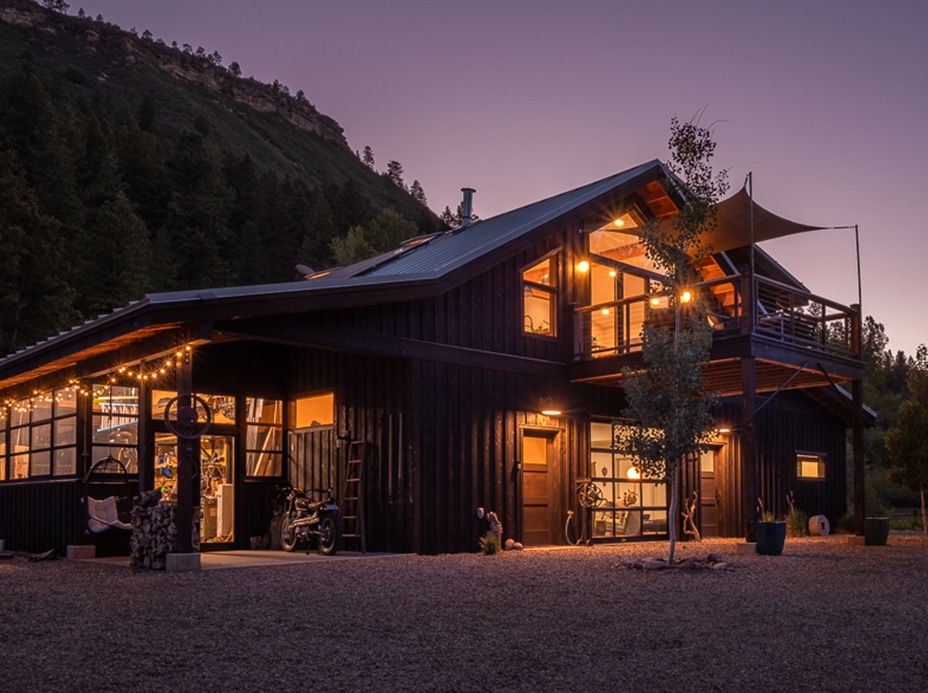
(129, 166)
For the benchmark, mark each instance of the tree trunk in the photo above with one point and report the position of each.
(671, 516)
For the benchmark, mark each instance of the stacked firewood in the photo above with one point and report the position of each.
(154, 532)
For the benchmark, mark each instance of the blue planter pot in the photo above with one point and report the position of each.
(770, 537)
(876, 531)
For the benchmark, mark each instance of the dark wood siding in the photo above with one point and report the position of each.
(790, 423)
(38, 516)
(371, 406)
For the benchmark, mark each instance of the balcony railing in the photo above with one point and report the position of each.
(779, 311)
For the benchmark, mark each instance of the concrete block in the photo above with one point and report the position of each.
(81, 551)
(182, 562)
(854, 540)
(746, 547)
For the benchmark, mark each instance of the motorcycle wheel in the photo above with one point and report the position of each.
(287, 534)
(328, 535)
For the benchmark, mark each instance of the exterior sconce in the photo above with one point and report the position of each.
(548, 407)
(583, 266)
(342, 440)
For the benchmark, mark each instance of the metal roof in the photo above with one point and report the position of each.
(454, 249)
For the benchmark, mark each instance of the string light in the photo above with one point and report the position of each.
(88, 388)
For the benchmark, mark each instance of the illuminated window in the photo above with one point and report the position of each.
(539, 298)
(314, 412)
(42, 436)
(810, 466)
(264, 438)
(634, 506)
(116, 425)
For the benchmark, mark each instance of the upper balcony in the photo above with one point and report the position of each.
(780, 312)
(797, 338)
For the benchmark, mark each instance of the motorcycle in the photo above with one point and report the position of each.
(303, 518)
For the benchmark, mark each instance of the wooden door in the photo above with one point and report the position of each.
(539, 473)
(708, 495)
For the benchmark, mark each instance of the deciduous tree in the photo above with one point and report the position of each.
(668, 400)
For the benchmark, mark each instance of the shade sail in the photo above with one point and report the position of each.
(734, 224)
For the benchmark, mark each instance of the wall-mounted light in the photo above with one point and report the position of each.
(686, 296)
(583, 266)
(342, 440)
(548, 408)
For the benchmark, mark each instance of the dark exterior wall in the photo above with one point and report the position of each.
(796, 424)
(373, 405)
(483, 313)
(468, 427)
(38, 516)
(790, 423)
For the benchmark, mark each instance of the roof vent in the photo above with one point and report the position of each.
(467, 206)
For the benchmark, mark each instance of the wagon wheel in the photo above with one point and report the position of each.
(590, 495)
(188, 421)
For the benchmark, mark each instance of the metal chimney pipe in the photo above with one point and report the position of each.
(467, 206)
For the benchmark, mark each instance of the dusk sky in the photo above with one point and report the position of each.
(825, 101)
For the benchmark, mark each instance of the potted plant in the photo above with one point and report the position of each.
(769, 532)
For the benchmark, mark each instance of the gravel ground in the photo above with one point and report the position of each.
(824, 616)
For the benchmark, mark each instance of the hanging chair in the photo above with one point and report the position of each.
(108, 497)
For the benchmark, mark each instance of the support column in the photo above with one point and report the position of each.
(748, 454)
(186, 460)
(857, 441)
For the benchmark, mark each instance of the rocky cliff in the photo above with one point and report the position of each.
(200, 69)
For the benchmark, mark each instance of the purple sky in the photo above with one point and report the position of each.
(826, 102)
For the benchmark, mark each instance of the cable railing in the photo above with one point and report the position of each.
(780, 312)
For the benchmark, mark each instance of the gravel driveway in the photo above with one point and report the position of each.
(824, 616)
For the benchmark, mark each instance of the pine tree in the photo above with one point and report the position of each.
(35, 301)
(368, 157)
(418, 193)
(906, 440)
(395, 174)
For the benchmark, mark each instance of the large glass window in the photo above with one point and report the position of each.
(264, 437)
(539, 298)
(116, 425)
(633, 507)
(619, 301)
(42, 436)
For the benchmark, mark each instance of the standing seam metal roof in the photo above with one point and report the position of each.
(458, 247)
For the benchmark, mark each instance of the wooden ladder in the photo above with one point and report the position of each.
(352, 506)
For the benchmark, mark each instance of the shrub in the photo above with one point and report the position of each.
(797, 521)
(489, 544)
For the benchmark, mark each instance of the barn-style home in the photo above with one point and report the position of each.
(478, 368)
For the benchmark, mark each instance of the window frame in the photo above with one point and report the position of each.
(821, 458)
(551, 290)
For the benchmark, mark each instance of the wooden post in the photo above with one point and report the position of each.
(748, 454)
(857, 440)
(186, 461)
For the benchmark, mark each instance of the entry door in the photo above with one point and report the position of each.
(214, 477)
(538, 472)
(708, 495)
